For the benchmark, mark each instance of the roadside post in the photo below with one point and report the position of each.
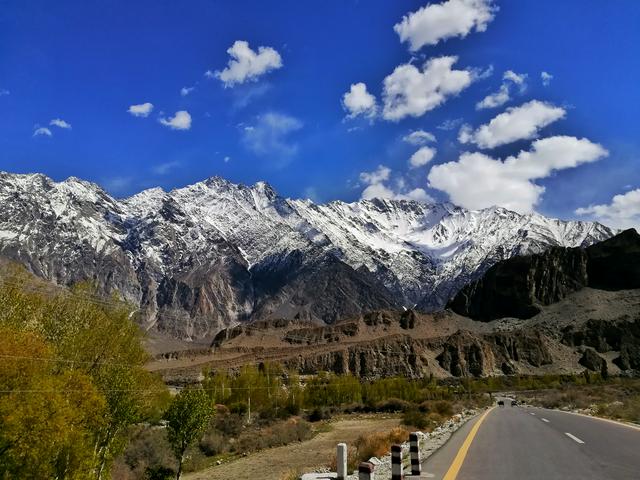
(396, 462)
(341, 457)
(365, 471)
(414, 451)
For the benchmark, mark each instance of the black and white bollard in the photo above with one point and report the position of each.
(341, 457)
(365, 471)
(396, 462)
(414, 452)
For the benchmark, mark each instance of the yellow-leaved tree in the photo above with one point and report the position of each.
(71, 379)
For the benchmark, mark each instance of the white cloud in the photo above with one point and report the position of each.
(164, 168)
(246, 94)
(210, 74)
(379, 175)
(411, 92)
(180, 121)
(417, 195)
(546, 78)
(450, 124)
(58, 122)
(478, 181)
(141, 110)
(184, 91)
(517, 123)
(622, 212)
(516, 78)
(419, 137)
(503, 95)
(357, 101)
(42, 131)
(423, 156)
(440, 21)
(376, 187)
(117, 184)
(495, 99)
(4, 91)
(226, 159)
(270, 135)
(246, 64)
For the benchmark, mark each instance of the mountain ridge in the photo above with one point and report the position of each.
(211, 254)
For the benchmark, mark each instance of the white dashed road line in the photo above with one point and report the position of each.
(544, 420)
(573, 437)
(532, 413)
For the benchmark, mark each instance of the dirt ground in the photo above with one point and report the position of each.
(275, 462)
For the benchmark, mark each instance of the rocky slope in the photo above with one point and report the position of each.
(594, 329)
(565, 325)
(517, 287)
(213, 254)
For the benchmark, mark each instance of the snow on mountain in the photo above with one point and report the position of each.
(199, 253)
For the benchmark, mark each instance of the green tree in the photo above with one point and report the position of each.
(187, 416)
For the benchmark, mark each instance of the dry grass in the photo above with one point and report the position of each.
(292, 474)
(618, 399)
(378, 444)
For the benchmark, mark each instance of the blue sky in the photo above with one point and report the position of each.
(282, 116)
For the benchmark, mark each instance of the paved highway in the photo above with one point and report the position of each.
(524, 443)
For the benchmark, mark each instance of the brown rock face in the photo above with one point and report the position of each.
(381, 359)
(465, 354)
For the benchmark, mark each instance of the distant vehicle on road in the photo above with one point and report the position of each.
(514, 403)
(501, 403)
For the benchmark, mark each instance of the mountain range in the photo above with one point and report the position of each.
(197, 259)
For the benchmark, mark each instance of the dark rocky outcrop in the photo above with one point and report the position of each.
(614, 264)
(594, 362)
(519, 286)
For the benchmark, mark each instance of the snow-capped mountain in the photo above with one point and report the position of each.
(210, 254)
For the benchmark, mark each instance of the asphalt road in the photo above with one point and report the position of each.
(524, 443)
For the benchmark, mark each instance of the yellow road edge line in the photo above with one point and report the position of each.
(454, 469)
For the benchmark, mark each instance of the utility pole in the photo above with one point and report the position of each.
(249, 404)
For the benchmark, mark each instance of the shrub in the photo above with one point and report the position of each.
(146, 456)
(415, 418)
(392, 405)
(160, 473)
(229, 424)
(212, 443)
(444, 408)
(319, 413)
(239, 408)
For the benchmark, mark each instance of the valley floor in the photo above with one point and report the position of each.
(274, 463)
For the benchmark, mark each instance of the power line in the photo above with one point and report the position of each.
(91, 298)
(147, 390)
(68, 360)
(100, 300)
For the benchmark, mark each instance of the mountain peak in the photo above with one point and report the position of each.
(265, 247)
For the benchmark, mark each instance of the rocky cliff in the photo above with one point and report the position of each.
(519, 286)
